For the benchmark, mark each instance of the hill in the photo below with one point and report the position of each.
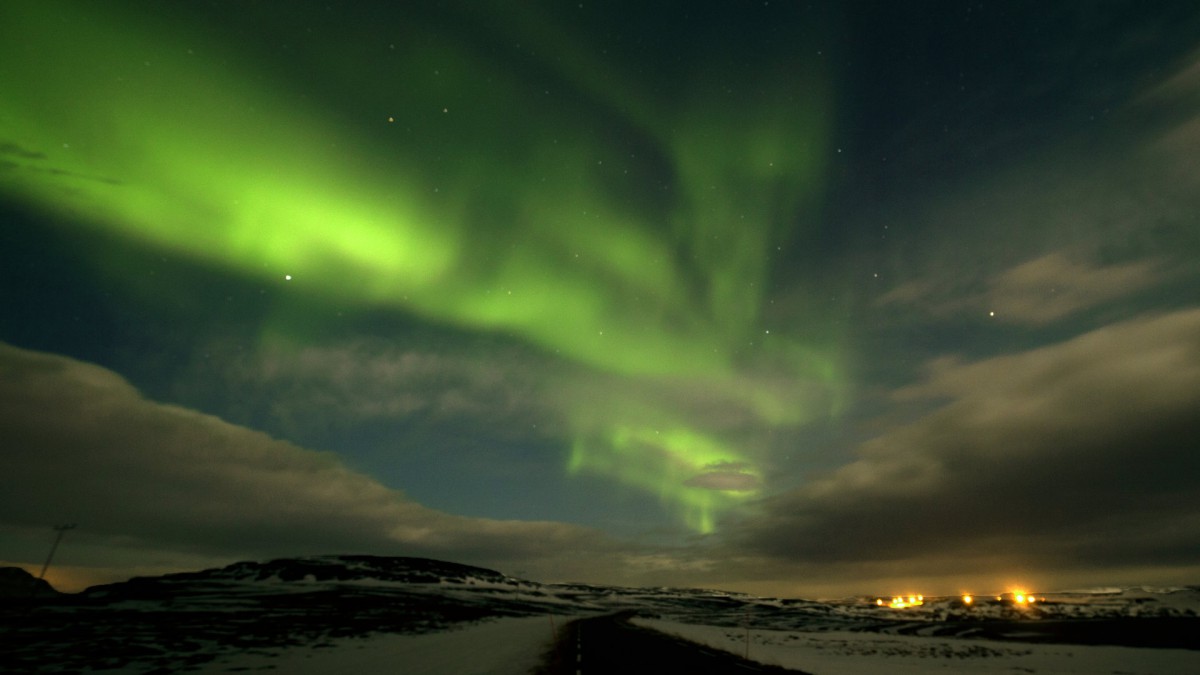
(16, 583)
(181, 621)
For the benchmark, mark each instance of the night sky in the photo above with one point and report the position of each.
(793, 298)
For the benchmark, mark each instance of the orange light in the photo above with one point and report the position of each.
(968, 599)
(900, 601)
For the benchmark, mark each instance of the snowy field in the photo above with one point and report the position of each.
(502, 647)
(367, 614)
(515, 647)
(854, 653)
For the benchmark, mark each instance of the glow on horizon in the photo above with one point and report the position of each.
(1018, 597)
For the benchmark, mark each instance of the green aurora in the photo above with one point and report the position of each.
(464, 196)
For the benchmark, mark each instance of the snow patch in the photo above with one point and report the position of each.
(502, 647)
(854, 653)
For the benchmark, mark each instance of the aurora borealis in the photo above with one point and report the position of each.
(664, 295)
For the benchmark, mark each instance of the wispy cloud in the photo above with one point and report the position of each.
(1053, 286)
(521, 399)
(1087, 224)
(296, 389)
(1035, 292)
(15, 150)
(725, 480)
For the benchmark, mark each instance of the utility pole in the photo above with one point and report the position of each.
(61, 529)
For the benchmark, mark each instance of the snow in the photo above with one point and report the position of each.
(233, 620)
(501, 647)
(856, 653)
(516, 646)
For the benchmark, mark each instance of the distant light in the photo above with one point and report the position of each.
(968, 599)
(900, 602)
(287, 277)
(991, 314)
(879, 602)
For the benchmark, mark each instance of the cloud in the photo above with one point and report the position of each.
(510, 388)
(1075, 456)
(15, 150)
(375, 380)
(507, 413)
(302, 392)
(1090, 222)
(1053, 286)
(298, 390)
(82, 445)
(1035, 292)
(671, 565)
(727, 479)
(25, 158)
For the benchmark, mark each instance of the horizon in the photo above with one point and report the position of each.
(61, 582)
(785, 299)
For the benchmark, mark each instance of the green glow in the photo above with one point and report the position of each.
(662, 462)
(232, 174)
(746, 173)
(479, 206)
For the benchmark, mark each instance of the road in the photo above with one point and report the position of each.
(610, 644)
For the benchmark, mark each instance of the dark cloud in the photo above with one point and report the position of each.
(19, 152)
(16, 150)
(83, 446)
(1078, 455)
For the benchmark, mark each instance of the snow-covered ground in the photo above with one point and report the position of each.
(516, 646)
(364, 614)
(855, 653)
(501, 647)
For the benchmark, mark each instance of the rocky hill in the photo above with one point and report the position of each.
(347, 569)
